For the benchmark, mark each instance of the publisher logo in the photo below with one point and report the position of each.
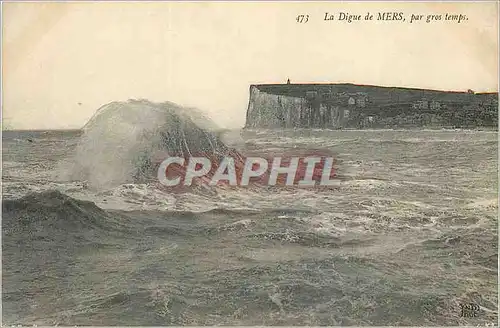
(469, 310)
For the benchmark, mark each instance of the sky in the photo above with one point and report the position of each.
(62, 61)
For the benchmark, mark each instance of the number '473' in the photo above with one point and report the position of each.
(302, 18)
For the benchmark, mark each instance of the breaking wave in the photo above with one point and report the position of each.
(125, 141)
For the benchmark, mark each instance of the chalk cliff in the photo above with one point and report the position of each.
(335, 106)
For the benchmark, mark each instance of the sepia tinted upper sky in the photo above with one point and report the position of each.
(62, 61)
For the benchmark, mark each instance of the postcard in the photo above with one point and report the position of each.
(250, 163)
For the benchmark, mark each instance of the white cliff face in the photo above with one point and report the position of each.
(267, 110)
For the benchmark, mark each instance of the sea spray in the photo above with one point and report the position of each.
(125, 141)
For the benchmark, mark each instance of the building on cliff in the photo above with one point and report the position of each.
(336, 106)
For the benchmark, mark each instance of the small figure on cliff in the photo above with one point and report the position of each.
(288, 81)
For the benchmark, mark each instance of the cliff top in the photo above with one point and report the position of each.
(348, 87)
(376, 93)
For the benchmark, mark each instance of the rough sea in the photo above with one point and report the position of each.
(408, 237)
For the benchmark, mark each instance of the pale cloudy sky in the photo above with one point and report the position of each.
(57, 55)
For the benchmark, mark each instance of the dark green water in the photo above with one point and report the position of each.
(409, 236)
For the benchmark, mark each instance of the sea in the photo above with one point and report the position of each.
(409, 237)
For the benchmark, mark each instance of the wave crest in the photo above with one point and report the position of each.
(125, 141)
